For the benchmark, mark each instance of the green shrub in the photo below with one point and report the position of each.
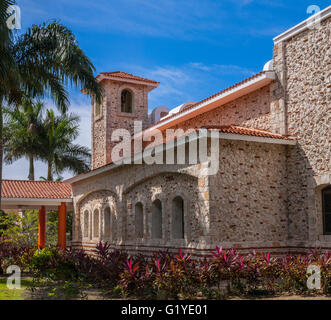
(53, 264)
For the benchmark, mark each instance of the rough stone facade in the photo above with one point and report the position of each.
(303, 67)
(265, 196)
(251, 110)
(217, 209)
(112, 118)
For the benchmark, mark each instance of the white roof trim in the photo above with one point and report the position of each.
(216, 101)
(33, 202)
(302, 25)
(164, 146)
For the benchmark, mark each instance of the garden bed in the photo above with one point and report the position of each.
(113, 274)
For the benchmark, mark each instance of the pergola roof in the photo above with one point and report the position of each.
(35, 189)
(33, 194)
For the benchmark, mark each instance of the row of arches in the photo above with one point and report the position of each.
(101, 223)
(177, 218)
(96, 227)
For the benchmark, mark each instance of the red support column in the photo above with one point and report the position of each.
(42, 228)
(62, 226)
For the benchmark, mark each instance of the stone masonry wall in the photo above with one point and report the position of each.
(243, 204)
(303, 67)
(98, 126)
(112, 118)
(251, 110)
(248, 194)
(263, 196)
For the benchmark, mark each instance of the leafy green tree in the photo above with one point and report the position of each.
(41, 62)
(21, 229)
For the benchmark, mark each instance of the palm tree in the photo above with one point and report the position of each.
(21, 133)
(28, 134)
(58, 149)
(40, 62)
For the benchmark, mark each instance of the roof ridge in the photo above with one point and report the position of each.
(124, 73)
(44, 181)
(256, 129)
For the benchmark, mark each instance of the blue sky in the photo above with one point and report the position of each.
(194, 48)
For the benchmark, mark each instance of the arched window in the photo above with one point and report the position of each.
(139, 220)
(126, 101)
(157, 219)
(86, 223)
(326, 198)
(96, 223)
(107, 221)
(178, 218)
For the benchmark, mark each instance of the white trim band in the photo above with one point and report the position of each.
(303, 25)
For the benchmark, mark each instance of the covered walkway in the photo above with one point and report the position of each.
(43, 196)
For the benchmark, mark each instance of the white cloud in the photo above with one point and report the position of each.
(192, 81)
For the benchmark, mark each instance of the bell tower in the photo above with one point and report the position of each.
(125, 100)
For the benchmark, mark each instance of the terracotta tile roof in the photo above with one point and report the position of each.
(248, 132)
(206, 99)
(124, 75)
(35, 189)
(230, 129)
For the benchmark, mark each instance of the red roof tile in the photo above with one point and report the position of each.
(248, 132)
(124, 75)
(35, 189)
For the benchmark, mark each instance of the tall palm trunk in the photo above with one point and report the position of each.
(49, 172)
(31, 167)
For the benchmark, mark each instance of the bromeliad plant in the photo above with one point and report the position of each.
(177, 276)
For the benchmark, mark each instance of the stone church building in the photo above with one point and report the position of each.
(272, 189)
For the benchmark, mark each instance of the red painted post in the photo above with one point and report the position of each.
(42, 228)
(62, 226)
